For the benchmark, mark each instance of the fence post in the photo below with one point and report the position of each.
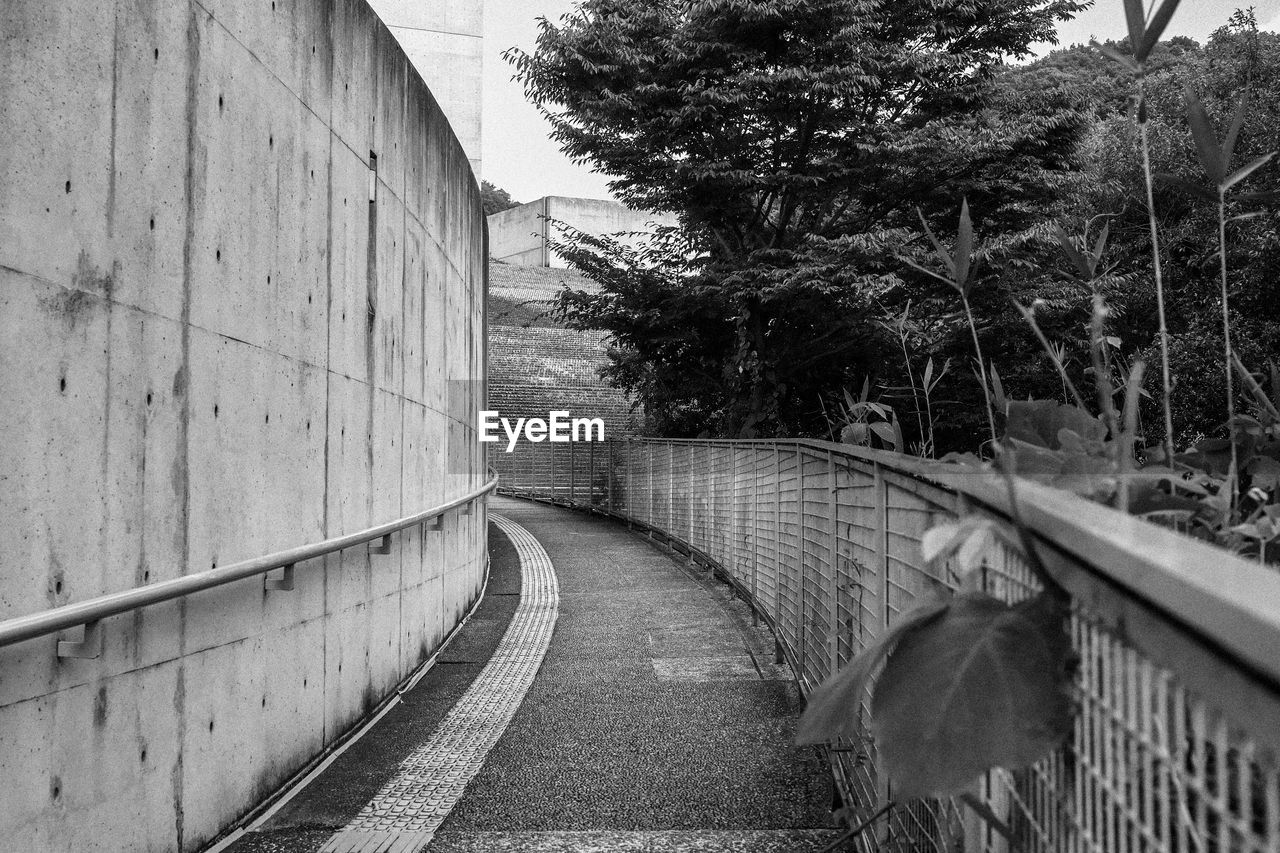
(692, 502)
(608, 483)
(649, 502)
(573, 475)
(882, 546)
(755, 526)
(779, 568)
(551, 455)
(880, 582)
(671, 487)
(803, 629)
(833, 601)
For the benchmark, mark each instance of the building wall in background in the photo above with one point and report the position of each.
(444, 39)
(536, 365)
(213, 346)
(519, 236)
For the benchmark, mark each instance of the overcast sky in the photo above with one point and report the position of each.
(519, 158)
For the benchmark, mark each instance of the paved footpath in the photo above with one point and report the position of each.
(656, 720)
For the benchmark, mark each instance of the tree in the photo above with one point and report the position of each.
(1237, 57)
(795, 140)
(495, 199)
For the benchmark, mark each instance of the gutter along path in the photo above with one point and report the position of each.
(657, 720)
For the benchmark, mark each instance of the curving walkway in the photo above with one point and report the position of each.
(657, 720)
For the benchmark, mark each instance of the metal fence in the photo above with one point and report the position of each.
(1176, 738)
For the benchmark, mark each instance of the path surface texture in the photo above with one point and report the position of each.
(603, 697)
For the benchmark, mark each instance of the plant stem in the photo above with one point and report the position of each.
(1155, 254)
(982, 369)
(928, 405)
(1067, 384)
(1234, 473)
(911, 377)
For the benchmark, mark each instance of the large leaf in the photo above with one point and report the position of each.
(985, 685)
(833, 709)
(1205, 138)
(964, 245)
(1154, 29)
(1233, 132)
(1040, 422)
(1245, 171)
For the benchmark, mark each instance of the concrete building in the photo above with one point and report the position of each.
(444, 40)
(521, 235)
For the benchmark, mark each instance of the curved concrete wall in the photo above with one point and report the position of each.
(213, 345)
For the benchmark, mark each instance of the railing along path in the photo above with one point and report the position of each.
(87, 614)
(1175, 742)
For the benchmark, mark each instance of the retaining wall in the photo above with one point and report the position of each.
(214, 345)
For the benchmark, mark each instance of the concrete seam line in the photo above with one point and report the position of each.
(410, 807)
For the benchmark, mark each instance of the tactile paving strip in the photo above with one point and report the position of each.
(404, 815)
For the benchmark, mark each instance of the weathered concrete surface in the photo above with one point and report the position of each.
(519, 236)
(444, 40)
(212, 346)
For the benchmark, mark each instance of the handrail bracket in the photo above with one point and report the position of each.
(282, 582)
(83, 642)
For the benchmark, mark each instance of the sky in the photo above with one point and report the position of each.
(520, 158)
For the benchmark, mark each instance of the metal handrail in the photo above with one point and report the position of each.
(92, 610)
(1233, 603)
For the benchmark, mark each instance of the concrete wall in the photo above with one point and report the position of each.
(214, 346)
(444, 40)
(519, 235)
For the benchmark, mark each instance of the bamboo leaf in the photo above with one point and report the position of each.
(1205, 138)
(964, 244)
(928, 372)
(1115, 55)
(946, 365)
(1186, 186)
(1245, 171)
(1233, 133)
(942, 253)
(1155, 28)
(1072, 253)
(1262, 196)
(1136, 19)
(942, 278)
(997, 390)
(1099, 247)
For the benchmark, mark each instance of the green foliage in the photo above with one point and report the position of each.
(795, 140)
(984, 684)
(968, 682)
(495, 199)
(861, 424)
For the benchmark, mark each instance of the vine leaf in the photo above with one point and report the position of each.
(833, 709)
(981, 685)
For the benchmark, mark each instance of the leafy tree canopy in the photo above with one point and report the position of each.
(795, 140)
(495, 199)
